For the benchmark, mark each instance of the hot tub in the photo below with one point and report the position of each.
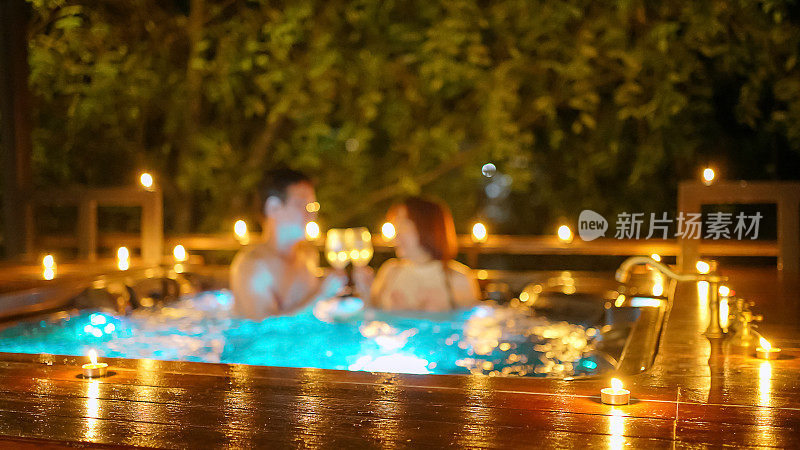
(580, 329)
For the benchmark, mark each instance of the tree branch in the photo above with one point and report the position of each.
(426, 178)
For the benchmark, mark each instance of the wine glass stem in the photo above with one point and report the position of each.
(350, 283)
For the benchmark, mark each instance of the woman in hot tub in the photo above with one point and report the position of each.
(424, 276)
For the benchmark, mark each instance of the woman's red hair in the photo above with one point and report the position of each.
(434, 222)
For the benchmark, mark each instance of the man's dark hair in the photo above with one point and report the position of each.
(277, 181)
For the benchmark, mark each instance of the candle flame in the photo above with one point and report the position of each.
(92, 356)
(765, 344)
(616, 383)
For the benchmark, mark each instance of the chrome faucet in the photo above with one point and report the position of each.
(743, 318)
(713, 278)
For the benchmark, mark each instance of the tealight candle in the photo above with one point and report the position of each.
(94, 369)
(615, 395)
(767, 351)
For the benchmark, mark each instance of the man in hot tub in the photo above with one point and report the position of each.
(278, 275)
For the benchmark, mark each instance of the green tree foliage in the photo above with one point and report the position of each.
(601, 105)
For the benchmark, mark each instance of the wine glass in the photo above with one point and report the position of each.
(336, 250)
(359, 242)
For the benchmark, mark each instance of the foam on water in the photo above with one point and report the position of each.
(497, 341)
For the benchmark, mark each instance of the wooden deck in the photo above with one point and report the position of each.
(696, 395)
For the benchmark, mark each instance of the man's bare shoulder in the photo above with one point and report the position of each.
(252, 258)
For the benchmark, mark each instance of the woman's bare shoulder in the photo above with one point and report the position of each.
(466, 291)
(460, 268)
(391, 264)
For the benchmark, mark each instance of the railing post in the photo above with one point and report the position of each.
(87, 229)
(15, 128)
(789, 234)
(688, 202)
(153, 227)
(472, 255)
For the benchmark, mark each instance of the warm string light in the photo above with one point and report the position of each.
(388, 231)
(240, 230)
(702, 267)
(123, 258)
(48, 267)
(146, 180)
(479, 232)
(564, 234)
(708, 176)
(655, 257)
(179, 253)
(312, 230)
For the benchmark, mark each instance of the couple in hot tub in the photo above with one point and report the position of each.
(278, 275)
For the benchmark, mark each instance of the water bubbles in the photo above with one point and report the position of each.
(488, 170)
(97, 319)
(487, 340)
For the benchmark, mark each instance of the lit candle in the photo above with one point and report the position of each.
(615, 395)
(94, 369)
(767, 351)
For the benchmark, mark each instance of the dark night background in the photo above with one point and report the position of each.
(579, 104)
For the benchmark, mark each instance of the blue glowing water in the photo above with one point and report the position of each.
(490, 340)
